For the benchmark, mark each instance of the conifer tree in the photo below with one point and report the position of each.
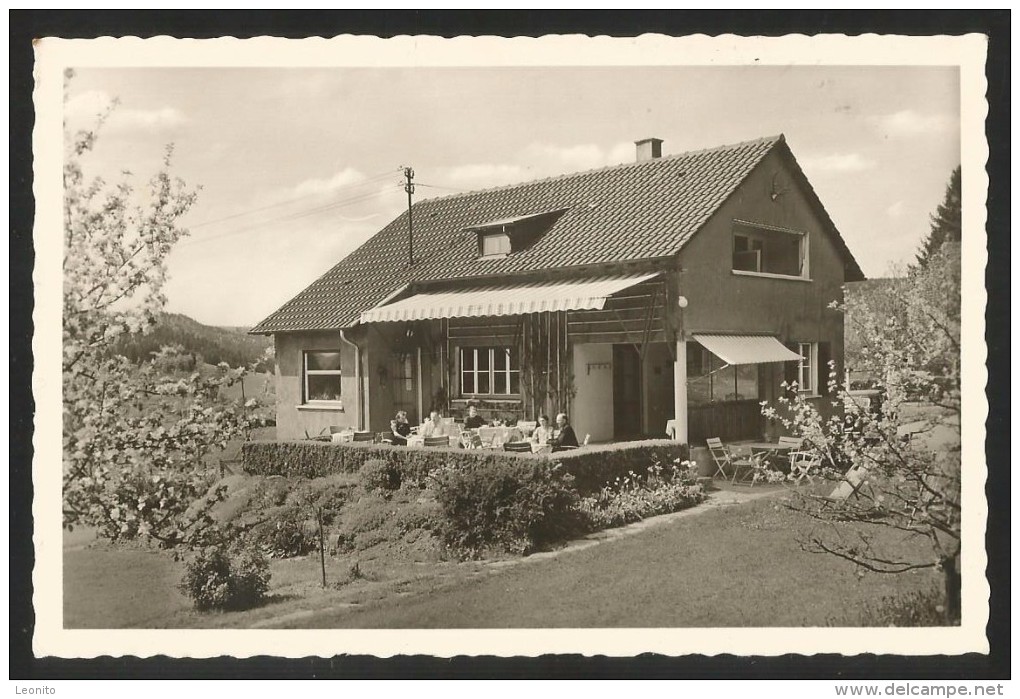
(945, 222)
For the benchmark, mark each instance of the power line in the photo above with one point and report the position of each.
(370, 180)
(350, 201)
(436, 186)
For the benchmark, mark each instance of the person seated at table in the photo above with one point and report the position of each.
(434, 426)
(474, 420)
(564, 436)
(543, 434)
(400, 428)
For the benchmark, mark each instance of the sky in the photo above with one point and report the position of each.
(297, 166)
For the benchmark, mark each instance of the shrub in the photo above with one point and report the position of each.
(925, 607)
(380, 475)
(218, 578)
(514, 506)
(284, 539)
(660, 490)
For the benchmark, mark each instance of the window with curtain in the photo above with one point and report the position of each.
(322, 376)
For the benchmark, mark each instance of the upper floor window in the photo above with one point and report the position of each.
(769, 250)
(489, 371)
(515, 234)
(322, 376)
(494, 244)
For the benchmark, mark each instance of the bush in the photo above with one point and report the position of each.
(217, 578)
(925, 607)
(284, 539)
(380, 475)
(592, 467)
(515, 506)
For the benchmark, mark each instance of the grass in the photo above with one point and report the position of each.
(739, 566)
(732, 566)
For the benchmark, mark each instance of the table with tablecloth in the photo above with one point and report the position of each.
(498, 436)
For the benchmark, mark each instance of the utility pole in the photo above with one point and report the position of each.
(409, 188)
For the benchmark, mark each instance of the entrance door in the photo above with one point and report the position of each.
(404, 384)
(626, 392)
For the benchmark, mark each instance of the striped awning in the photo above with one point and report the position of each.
(747, 349)
(506, 299)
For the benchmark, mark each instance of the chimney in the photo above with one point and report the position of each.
(648, 148)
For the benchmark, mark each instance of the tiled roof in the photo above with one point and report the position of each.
(631, 212)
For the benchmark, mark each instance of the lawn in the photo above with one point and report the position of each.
(739, 565)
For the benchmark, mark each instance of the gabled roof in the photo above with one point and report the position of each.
(638, 211)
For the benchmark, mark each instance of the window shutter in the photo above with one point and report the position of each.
(824, 355)
(790, 367)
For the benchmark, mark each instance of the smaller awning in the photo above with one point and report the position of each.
(747, 349)
(506, 300)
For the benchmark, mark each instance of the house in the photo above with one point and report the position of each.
(682, 288)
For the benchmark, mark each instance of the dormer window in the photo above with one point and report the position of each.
(493, 244)
(510, 235)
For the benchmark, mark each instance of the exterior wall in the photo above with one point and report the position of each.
(794, 309)
(593, 402)
(658, 389)
(294, 419)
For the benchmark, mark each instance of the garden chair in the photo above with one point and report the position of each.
(364, 437)
(517, 447)
(790, 442)
(437, 441)
(724, 458)
(853, 481)
(336, 429)
(802, 463)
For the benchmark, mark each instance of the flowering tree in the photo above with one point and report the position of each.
(136, 439)
(893, 462)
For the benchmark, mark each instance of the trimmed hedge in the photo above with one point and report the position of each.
(592, 467)
(595, 466)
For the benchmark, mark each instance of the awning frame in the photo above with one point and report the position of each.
(731, 346)
(489, 300)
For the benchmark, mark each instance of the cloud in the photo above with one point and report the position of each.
(482, 175)
(344, 178)
(83, 110)
(536, 160)
(908, 122)
(561, 159)
(837, 162)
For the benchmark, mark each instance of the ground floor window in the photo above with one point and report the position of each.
(710, 380)
(807, 370)
(490, 371)
(322, 376)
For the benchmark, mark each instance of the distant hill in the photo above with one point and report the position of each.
(208, 343)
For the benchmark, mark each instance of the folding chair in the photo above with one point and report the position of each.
(587, 439)
(802, 463)
(437, 441)
(790, 443)
(723, 457)
(853, 481)
(364, 437)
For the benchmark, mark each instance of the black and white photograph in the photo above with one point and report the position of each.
(510, 346)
